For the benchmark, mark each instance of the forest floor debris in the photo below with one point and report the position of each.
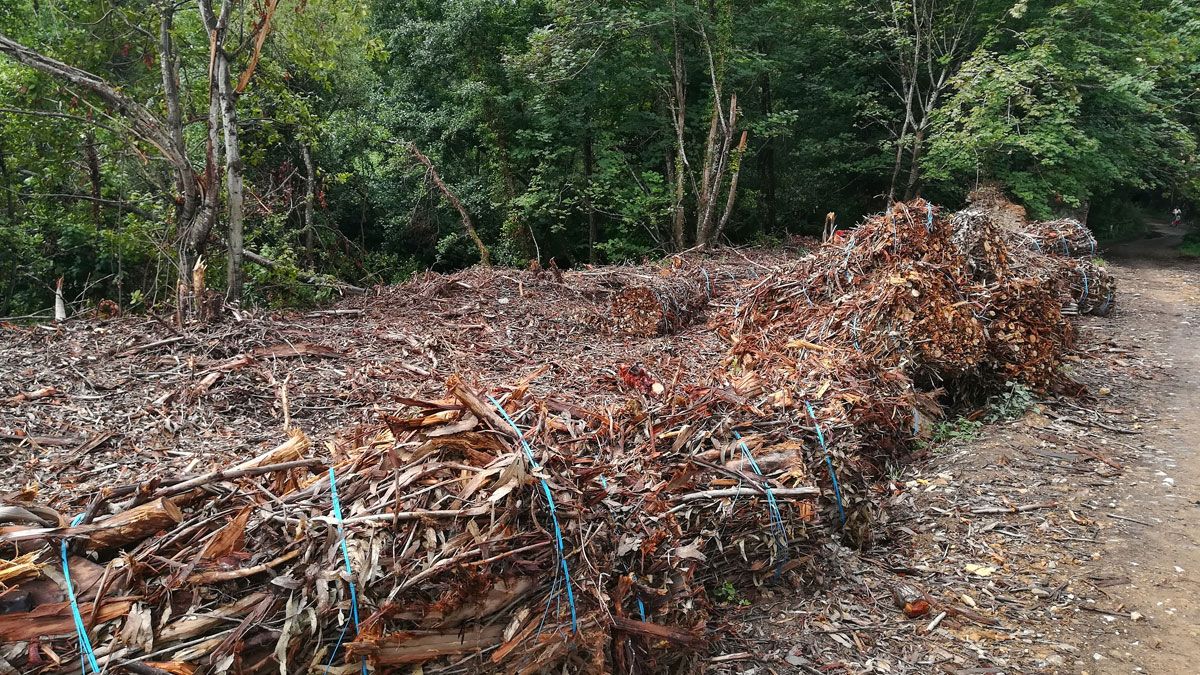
(536, 469)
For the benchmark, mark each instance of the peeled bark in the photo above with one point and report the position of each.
(419, 646)
(134, 525)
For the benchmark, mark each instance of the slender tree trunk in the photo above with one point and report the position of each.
(914, 169)
(766, 161)
(93, 165)
(194, 215)
(679, 163)
(224, 121)
(588, 167)
(731, 197)
(484, 256)
(233, 177)
(715, 177)
(901, 143)
(310, 197)
(705, 197)
(5, 183)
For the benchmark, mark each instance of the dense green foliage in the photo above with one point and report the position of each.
(577, 130)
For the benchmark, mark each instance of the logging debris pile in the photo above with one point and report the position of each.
(569, 497)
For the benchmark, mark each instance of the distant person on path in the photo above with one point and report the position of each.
(1178, 220)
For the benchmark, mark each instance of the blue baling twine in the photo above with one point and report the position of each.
(337, 514)
(558, 538)
(776, 516)
(929, 217)
(641, 605)
(85, 643)
(854, 333)
(1085, 285)
(837, 490)
(707, 281)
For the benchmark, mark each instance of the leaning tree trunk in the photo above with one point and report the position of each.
(468, 225)
(165, 136)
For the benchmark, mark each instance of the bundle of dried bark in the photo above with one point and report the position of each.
(660, 305)
(1066, 237)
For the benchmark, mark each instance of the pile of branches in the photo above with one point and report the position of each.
(1059, 253)
(1067, 237)
(494, 528)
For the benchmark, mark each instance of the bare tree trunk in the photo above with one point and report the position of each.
(310, 197)
(588, 160)
(5, 182)
(901, 142)
(223, 92)
(233, 179)
(194, 220)
(484, 256)
(731, 198)
(715, 178)
(705, 196)
(679, 163)
(93, 164)
(914, 169)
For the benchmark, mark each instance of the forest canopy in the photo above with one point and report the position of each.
(299, 149)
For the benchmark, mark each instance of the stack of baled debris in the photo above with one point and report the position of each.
(1070, 248)
(566, 517)
(1062, 253)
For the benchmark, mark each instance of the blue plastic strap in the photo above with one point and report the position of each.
(641, 605)
(928, 217)
(772, 503)
(337, 514)
(837, 489)
(1085, 285)
(558, 538)
(85, 643)
(854, 333)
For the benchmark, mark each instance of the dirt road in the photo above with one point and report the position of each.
(1158, 548)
